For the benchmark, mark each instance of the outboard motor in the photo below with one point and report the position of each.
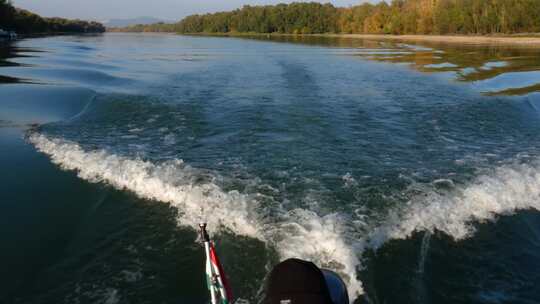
(295, 281)
(336, 286)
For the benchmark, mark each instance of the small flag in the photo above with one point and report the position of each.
(220, 291)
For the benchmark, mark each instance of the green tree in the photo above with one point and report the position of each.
(395, 17)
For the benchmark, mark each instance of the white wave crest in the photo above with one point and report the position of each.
(297, 233)
(330, 240)
(169, 182)
(502, 191)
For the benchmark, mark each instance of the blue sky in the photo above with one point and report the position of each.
(165, 9)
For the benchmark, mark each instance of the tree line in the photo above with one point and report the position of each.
(395, 17)
(23, 21)
(151, 28)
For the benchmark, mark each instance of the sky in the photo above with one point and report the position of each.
(102, 10)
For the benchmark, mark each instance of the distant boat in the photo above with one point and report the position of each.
(7, 35)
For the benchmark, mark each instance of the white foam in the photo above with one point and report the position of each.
(131, 276)
(322, 240)
(170, 182)
(349, 181)
(111, 296)
(169, 139)
(502, 191)
(297, 233)
(330, 241)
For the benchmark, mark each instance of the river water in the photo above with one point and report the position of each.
(413, 171)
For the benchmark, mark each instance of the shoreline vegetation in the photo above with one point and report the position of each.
(27, 23)
(532, 40)
(449, 21)
(526, 40)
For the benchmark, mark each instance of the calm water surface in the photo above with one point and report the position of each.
(413, 171)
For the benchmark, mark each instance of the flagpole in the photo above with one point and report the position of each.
(209, 271)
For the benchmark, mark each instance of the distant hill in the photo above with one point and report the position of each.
(132, 21)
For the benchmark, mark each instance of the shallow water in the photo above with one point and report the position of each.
(412, 171)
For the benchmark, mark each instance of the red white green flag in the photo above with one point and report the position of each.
(220, 291)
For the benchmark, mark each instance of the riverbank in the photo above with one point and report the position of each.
(527, 40)
(518, 40)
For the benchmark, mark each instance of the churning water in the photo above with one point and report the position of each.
(411, 171)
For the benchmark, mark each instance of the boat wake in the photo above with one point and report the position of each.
(502, 191)
(332, 241)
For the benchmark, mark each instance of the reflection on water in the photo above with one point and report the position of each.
(8, 52)
(7, 79)
(492, 69)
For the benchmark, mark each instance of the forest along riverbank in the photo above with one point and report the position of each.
(445, 17)
(21, 21)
